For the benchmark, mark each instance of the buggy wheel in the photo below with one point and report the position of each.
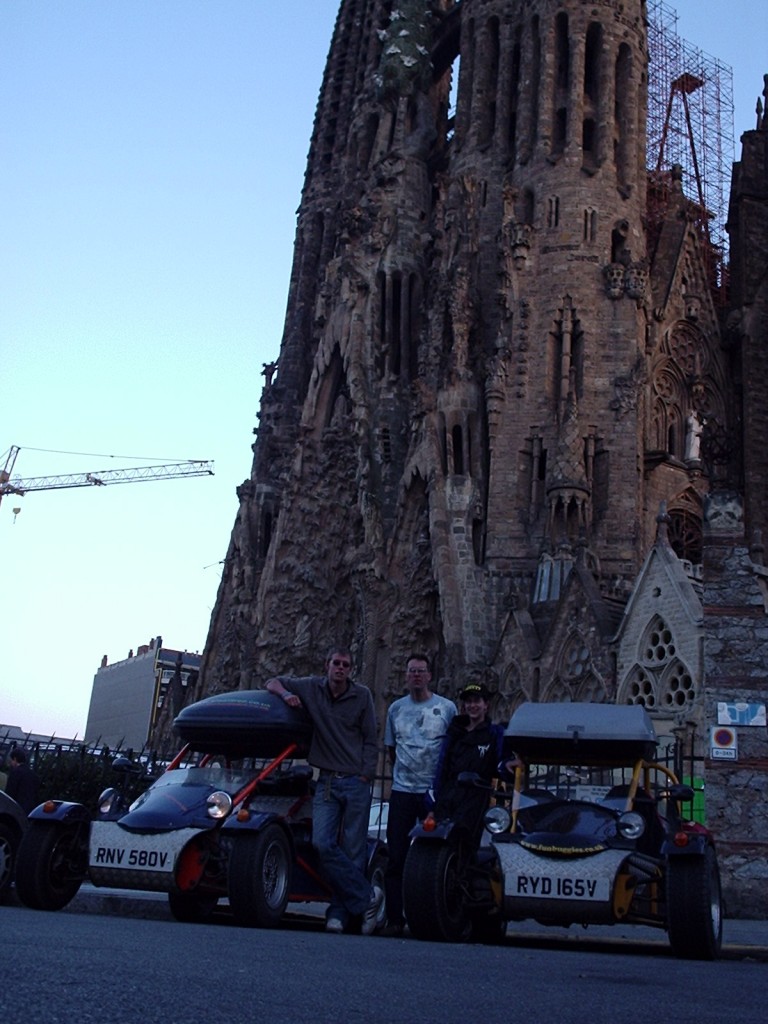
(433, 892)
(694, 906)
(9, 841)
(376, 874)
(259, 877)
(190, 907)
(51, 865)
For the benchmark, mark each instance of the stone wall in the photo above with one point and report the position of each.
(736, 669)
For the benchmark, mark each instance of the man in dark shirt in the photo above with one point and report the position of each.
(344, 749)
(23, 785)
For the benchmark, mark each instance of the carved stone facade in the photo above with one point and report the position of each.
(495, 371)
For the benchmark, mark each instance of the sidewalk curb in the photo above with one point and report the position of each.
(743, 939)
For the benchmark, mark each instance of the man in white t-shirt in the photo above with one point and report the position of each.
(413, 736)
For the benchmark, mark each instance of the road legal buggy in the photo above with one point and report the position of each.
(229, 820)
(587, 830)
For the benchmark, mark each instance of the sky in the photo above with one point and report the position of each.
(152, 154)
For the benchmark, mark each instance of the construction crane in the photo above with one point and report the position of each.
(98, 478)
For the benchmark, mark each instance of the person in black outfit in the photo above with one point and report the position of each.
(23, 785)
(472, 744)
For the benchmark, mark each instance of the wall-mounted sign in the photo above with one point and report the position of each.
(740, 713)
(722, 743)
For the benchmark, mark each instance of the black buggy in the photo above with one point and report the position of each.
(228, 823)
(586, 830)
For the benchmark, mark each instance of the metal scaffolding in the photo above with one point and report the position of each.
(690, 123)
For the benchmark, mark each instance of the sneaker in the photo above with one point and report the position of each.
(371, 916)
(333, 924)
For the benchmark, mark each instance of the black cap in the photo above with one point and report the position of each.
(475, 690)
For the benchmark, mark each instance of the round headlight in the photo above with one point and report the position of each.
(631, 825)
(219, 804)
(497, 819)
(107, 800)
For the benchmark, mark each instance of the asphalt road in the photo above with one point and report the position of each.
(92, 967)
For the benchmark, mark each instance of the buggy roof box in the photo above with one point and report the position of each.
(581, 733)
(244, 723)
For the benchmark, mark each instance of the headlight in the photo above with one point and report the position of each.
(631, 825)
(219, 804)
(497, 819)
(107, 801)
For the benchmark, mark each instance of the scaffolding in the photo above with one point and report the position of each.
(690, 123)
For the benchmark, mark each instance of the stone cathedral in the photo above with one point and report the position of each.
(518, 417)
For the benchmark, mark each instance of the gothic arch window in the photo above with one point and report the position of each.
(465, 94)
(575, 658)
(488, 75)
(592, 50)
(535, 77)
(625, 114)
(590, 225)
(639, 688)
(686, 347)
(265, 531)
(591, 690)
(675, 432)
(657, 645)
(562, 76)
(677, 690)
(669, 402)
(514, 91)
(333, 397)
(558, 692)
(685, 527)
(457, 439)
(399, 299)
(367, 140)
(658, 426)
(589, 143)
(553, 211)
(527, 206)
(511, 693)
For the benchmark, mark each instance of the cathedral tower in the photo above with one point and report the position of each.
(492, 370)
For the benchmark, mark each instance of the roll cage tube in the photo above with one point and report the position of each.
(179, 757)
(242, 795)
(641, 768)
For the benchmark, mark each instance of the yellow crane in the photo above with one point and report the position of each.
(96, 478)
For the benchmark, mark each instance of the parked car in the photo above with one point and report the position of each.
(13, 824)
(377, 819)
(588, 830)
(229, 820)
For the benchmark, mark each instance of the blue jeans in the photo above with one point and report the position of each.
(340, 812)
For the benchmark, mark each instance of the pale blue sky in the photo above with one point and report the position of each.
(152, 154)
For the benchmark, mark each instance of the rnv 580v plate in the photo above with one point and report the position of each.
(112, 847)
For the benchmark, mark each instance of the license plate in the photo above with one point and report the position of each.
(557, 887)
(116, 850)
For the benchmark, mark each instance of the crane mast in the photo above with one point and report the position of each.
(97, 478)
